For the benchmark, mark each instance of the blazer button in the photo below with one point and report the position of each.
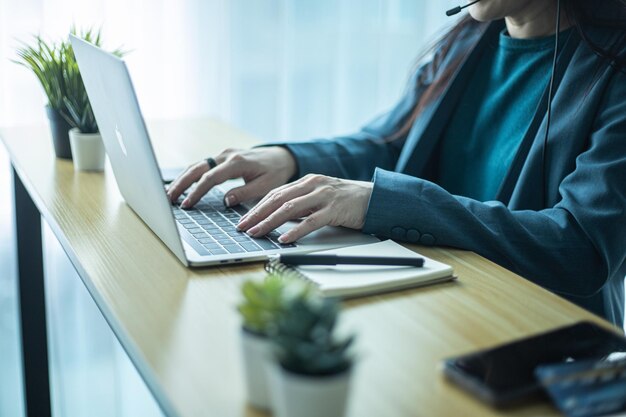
(398, 233)
(427, 239)
(413, 235)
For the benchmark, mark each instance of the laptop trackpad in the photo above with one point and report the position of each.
(330, 235)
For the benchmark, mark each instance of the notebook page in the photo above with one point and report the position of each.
(353, 279)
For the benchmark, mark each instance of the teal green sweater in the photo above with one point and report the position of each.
(493, 115)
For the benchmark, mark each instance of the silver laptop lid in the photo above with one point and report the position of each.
(126, 140)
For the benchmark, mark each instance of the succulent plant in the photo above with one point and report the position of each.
(265, 301)
(306, 341)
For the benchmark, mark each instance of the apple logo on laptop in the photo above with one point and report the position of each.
(120, 139)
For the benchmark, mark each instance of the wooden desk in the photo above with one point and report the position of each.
(180, 327)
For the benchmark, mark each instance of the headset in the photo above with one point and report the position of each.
(456, 10)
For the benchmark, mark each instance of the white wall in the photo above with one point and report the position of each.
(278, 68)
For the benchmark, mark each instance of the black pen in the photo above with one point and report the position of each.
(313, 259)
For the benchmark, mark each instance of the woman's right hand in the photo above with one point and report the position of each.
(263, 169)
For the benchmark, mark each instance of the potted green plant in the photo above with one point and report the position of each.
(68, 106)
(311, 374)
(47, 61)
(264, 302)
(85, 140)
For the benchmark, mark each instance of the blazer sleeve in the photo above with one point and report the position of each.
(571, 248)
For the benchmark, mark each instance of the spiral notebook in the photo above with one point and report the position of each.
(357, 280)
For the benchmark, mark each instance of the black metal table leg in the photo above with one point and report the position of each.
(32, 303)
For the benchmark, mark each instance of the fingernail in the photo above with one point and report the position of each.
(230, 201)
(184, 204)
(283, 238)
(253, 231)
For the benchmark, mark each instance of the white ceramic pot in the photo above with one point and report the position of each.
(295, 395)
(256, 354)
(87, 151)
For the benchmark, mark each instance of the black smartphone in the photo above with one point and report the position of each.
(504, 375)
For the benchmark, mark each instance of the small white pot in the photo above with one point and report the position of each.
(295, 395)
(256, 354)
(87, 151)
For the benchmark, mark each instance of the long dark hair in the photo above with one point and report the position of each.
(583, 14)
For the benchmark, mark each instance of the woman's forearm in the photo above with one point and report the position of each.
(548, 247)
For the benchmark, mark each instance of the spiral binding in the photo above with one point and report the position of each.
(274, 266)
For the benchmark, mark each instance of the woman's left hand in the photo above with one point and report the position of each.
(321, 200)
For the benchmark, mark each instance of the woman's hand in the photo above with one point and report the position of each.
(263, 169)
(321, 200)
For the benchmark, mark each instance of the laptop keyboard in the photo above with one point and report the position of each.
(212, 225)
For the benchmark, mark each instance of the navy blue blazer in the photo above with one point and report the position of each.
(573, 242)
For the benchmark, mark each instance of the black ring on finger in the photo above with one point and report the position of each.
(211, 163)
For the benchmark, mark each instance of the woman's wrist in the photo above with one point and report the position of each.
(289, 161)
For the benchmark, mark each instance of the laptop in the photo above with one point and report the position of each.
(204, 235)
